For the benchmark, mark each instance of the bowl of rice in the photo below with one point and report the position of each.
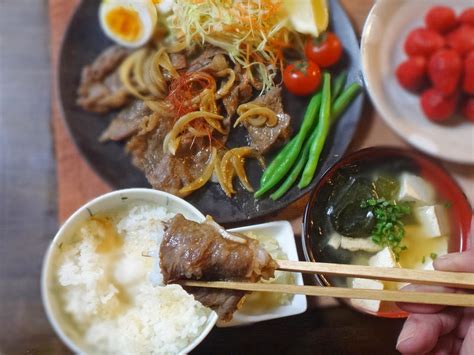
(99, 292)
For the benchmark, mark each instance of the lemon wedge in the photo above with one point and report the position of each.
(308, 16)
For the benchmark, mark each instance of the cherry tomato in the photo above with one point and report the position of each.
(436, 106)
(422, 41)
(326, 50)
(467, 16)
(468, 81)
(441, 19)
(302, 78)
(411, 74)
(462, 39)
(445, 70)
(468, 109)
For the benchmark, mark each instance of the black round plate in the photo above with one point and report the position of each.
(84, 40)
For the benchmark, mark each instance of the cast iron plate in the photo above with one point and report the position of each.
(82, 43)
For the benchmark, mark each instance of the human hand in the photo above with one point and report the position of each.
(438, 329)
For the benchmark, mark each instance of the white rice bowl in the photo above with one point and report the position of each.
(114, 301)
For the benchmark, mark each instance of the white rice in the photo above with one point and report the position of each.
(109, 295)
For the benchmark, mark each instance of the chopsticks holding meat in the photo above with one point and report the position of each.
(442, 278)
(229, 265)
(447, 299)
(425, 277)
(206, 251)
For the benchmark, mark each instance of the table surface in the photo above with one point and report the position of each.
(42, 183)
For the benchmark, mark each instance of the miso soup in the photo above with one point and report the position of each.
(383, 213)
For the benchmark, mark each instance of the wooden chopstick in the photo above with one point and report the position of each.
(440, 278)
(447, 299)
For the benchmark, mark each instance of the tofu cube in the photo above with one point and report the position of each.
(383, 258)
(355, 244)
(433, 219)
(427, 265)
(370, 305)
(414, 188)
(335, 240)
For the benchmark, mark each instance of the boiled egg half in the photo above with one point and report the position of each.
(130, 23)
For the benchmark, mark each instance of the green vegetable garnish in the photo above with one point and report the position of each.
(296, 170)
(433, 256)
(322, 130)
(423, 260)
(344, 99)
(388, 229)
(338, 85)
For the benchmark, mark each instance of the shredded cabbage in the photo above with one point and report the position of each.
(253, 32)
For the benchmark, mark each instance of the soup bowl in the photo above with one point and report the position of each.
(318, 225)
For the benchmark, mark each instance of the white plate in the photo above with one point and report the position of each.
(283, 234)
(385, 30)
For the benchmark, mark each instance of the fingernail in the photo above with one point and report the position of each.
(408, 332)
(402, 340)
(443, 257)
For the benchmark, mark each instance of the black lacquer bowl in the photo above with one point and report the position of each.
(316, 226)
(84, 40)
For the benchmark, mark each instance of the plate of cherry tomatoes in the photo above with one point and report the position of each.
(418, 64)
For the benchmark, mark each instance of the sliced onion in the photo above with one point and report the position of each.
(176, 46)
(256, 113)
(261, 161)
(238, 163)
(221, 178)
(171, 140)
(197, 132)
(225, 89)
(228, 172)
(233, 164)
(129, 68)
(160, 106)
(207, 101)
(216, 125)
(162, 59)
(203, 179)
(257, 121)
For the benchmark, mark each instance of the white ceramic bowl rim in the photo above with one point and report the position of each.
(133, 193)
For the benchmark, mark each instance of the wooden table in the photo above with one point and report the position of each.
(29, 192)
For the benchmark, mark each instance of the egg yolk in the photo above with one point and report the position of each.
(124, 23)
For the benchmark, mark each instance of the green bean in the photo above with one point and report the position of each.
(281, 156)
(341, 103)
(322, 130)
(295, 173)
(279, 170)
(277, 161)
(346, 98)
(338, 84)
